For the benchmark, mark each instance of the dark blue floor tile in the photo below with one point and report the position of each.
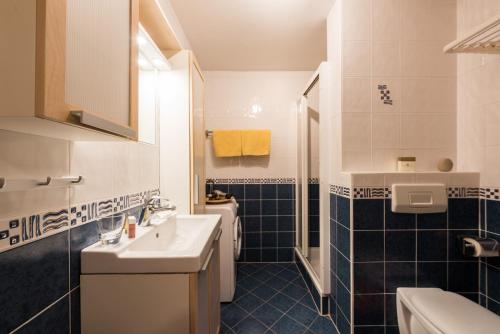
(263, 275)
(293, 291)
(249, 283)
(282, 302)
(322, 325)
(302, 314)
(267, 314)
(277, 283)
(264, 292)
(225, 330)
(287, 275)
(250, 326)
(249, 302)
(288, 326)
(233, 314)
(308, 301)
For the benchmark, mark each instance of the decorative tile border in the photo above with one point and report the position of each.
(340, 191)
(21, 230)
(313, 180)
(252, 181)
(490, 193)
(385, 192)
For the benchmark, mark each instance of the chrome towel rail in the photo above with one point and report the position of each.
(7, 184)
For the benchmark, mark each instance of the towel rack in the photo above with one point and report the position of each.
(209, 133)
(7, 185)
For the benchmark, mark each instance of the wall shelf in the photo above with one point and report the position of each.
(484, 38)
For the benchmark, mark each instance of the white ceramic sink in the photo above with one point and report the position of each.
(173, 244)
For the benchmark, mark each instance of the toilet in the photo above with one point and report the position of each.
(434, 311)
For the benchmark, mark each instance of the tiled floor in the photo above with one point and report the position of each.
(272, 298)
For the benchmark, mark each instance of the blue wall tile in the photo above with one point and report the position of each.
(368, 246)
(238, 191)
(434, 221)
(369, 277)
(75, 311)
(432, 275)
(399, 274)
(31, 278)
(463, 276)
(252, 191)
(369, 309)
(343, 240)
(400, 245)
(463, 213)
(493, 216)
(80, 238)
(343, 211)
(432, 245)
(368, 214)
(54, 320)
(286, 191)
(398, 221)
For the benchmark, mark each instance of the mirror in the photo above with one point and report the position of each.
(151, 62)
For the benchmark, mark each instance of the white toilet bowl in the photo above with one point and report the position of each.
(434, 311)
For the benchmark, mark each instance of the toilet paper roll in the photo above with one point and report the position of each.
(483, 247)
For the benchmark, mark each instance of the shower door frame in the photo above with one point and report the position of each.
(321, 279)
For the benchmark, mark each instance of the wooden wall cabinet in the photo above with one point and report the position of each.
(69, 62)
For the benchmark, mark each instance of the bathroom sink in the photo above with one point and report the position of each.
(172, 244)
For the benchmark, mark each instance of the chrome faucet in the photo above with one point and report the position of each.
(152, 205)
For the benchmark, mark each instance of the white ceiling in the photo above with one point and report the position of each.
(255, 34)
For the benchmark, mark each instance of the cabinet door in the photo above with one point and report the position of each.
(86, 63)
(214, 294)
(198, 138)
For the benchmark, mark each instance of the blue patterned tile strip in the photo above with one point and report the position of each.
(272, 298)
(21, 230)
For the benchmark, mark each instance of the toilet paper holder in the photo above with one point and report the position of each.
(480, 247)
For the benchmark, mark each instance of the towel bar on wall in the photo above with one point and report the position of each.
(7, 185)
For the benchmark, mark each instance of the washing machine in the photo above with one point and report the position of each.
(230, 246)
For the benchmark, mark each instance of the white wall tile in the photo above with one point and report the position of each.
(356, 131)
(357, 20)
(386, 59)
(387, 20)
(356, 59)
(386, 130)
(254, 100)
(356, 96)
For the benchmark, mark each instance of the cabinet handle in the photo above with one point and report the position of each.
(196, 189)
(97, 122)
(207, 261)
(218, 235)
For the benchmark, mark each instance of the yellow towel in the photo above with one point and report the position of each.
(256, 142)
(227, 143)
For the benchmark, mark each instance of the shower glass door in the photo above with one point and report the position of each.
(312, 161)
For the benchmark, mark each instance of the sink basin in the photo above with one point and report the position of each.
(172, 244)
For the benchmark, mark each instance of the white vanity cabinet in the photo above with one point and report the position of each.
(177, 303)
(69, 62)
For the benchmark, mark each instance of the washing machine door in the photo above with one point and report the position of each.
(237, 238)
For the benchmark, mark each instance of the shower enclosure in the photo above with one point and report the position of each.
(312, 188)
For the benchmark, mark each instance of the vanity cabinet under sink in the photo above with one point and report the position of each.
(132, 294)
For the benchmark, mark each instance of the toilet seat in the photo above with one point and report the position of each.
(442, 312)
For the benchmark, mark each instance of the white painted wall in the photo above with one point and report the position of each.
(254, 100)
